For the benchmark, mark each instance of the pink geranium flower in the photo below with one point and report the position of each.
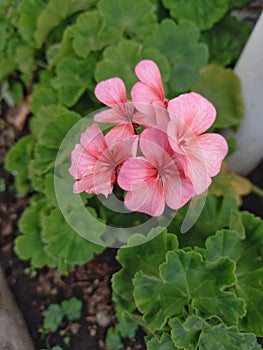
(150, 88)
(154, 179)
(112, 92)
(97, 159)
(191, 115)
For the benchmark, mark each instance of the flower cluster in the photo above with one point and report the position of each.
(166, 163)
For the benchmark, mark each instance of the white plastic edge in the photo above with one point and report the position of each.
(249, 137)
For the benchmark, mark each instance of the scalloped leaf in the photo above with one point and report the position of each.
(90, 33)
(187, 280)
(30, 245)
(42, 96)
(195, 333)
(120, 61)
(221, 86)
(27, 25)
(164, 343)
(64, 244)
(54, 13)
(148, 258)
(74, 76)
(17, 160)
(179, 44)
(51, 125)
(204, 13)
(226, 40)
(248, 255)
(132, 18)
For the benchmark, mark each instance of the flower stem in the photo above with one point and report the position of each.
(257, 190)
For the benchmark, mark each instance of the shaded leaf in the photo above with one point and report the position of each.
(113, 340)
(179, 44)
(226, 40)
(203, 13)
(74, 76)
(248, 255)
(51, 125)
(64, 244)
(222, 87)
(132, 18)
(214, 216)
(185, 279)
(120, 62)
(29, 12)
(30, 245)
(54, 13)
(90, 34)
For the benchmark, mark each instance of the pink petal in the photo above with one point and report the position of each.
(93, 140)
(178, 190)
(119, 133)
(180, 135)
(197, 172)
(82, 163)
(108, 116)
(149, 74)
(125, 149)
(214, 148)
(111, 92)
(103, 178)
(134, 171)
(195, 110)
(144, 93)
(84, 185)
(147, 197)
(155, 147)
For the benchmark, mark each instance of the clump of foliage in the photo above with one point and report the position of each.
(198, 290)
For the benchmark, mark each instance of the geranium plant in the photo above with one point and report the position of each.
(144, 174)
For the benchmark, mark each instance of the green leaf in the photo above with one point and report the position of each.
(204, 13)
(42, 96)
(237, 3)
(17, 160)
(51, 125)
(64, 244)
(30, 245)
(72, 308)
(113, 340)
(120, 62)
(20, 154)
(53, 318)
(179, 44)
(132, 18)
(27, 24)
(186, 280)
(25, 60)
(222, 87)
(226, 40)
(214, 216)
(165, 343)
(146, 257)
(90, 34)
(247, 253)
(195, 333)
(54, 13)
(74, 76)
